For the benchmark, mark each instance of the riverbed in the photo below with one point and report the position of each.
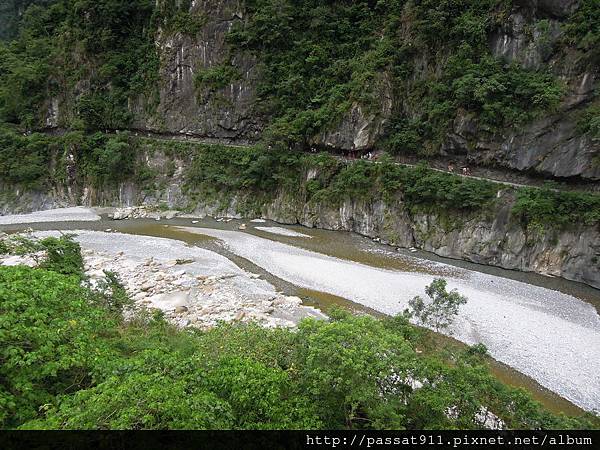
(547, 329)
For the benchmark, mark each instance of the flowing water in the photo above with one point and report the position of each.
(547, 328)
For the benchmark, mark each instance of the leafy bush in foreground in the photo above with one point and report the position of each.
(49, 340)
(71, 362)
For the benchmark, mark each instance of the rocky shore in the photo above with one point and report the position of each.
(198, 289)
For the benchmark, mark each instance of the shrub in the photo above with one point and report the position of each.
(217, 77)
(48, 340)
(440, 310)
(63, 255)
(557, 208)
(71, 364)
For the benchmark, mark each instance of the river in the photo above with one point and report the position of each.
(547, 329)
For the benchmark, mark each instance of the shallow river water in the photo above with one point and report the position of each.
(547, 329)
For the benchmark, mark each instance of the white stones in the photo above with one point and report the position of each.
(140, 212)
(287, 302)
(121, 213)
(242, 227)
(258, 221)
(209, 290)
(195, 221)
(74, 214)
(18, 260)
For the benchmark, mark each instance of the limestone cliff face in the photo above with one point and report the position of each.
(531, 36)
(550, 146)
(185, 108)
(496, 238)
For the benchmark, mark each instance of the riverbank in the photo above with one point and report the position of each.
(517, 228)
(191, 286)
(512, 318)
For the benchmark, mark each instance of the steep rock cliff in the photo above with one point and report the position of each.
(495, 238)
(531, 37)
(185, 106)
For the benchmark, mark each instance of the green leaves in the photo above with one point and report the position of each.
(583, 30)
(557, 208)
(359, 366)
(153, 390)
(68, 363)
(24, 160)
(106, 45)
(48, 339)
(217, 77)
(440, 310)
(63, 255)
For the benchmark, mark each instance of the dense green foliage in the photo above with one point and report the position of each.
(317, 59)
(320, 57)
(49, 339)
(583, 30)
(95, 56)
(61, 255)
(24, 160)
(217, 77)
(548, 206)
(24, 71)
(69, 361)
(263, 174)
(222, 172)
(440, 309)
(589, 121)
(39, 161)
(108, 44)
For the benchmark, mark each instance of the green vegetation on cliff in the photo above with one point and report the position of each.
(70, 361)
(217, 172)
(39, 161)
(104, 50)
(319, 58)
(256, 176)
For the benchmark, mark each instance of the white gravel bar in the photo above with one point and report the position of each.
(552, 337)
(74, 214)
(207, 286)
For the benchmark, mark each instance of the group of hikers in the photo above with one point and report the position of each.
(466, 170)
